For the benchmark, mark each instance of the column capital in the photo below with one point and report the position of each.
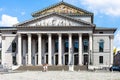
(70, 34)
(111, 37)
(49, 34)
(59, 34)
(80, 34)
(39, 34)
(19, 34)
(29, 34)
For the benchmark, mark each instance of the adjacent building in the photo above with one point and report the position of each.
(61, 34)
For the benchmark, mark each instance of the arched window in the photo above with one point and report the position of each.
(85, 45)
(101, 45)
(13, 46)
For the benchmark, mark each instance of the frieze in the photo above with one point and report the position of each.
(54, 21)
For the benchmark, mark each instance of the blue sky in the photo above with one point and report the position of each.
(106, 12)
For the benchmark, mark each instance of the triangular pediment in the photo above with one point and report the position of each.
(62, 8)
(54, 19)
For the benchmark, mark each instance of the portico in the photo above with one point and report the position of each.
(51, 48)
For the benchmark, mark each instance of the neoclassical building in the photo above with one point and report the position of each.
(61, 34)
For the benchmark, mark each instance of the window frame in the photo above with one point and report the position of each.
(101, 45)
(101, 60)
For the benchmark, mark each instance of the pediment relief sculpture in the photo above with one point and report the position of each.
(54, 22)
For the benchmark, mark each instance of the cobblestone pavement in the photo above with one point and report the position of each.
(61, 75)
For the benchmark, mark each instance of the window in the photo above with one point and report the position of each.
(101, 59)
(76, 45)
(46, 47)
(66, 45)
(101, 32)
(13, 32)
(85, 45)
(36, 50)
(56, 45)
(101, 45)
(13, 46)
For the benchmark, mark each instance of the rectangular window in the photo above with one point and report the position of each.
(76, 46)
(13, 46)
(85, 45)
(56, 46)
(101, 59)
(101, 46)
(66, 45)
(46, 47)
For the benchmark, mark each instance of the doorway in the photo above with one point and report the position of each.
(56, 59)
(85, 59)
(46, 59)
(76, 59)
(66, 59)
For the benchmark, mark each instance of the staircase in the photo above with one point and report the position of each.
(83, 67)
(50, 68)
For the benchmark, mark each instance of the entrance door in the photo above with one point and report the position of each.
(46, 59)
(85, 59)
(36, 59)
(66, 59)
(76, 59)
(56, 59)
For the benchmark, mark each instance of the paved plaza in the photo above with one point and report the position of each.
(60, 75)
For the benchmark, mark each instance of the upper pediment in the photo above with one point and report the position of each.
(62, 8)
(54, 19)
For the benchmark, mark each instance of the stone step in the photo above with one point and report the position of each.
(51, 68)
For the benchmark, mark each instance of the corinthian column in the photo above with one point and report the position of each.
(19, 50)
(29, 50)
(80, 49)
(39, 49)
(70, 61)
(90, 49)
(60, 49)
(49, 49)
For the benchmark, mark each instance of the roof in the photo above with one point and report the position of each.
(105, 28)
(37, 13)
(8, 28)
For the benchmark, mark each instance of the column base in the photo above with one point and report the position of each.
(29, 65)
(80, 64)
(59, 65)
(39, 65)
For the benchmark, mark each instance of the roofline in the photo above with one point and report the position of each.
(104, 28)
(8, 28)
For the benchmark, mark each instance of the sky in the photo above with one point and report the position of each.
(106, 12)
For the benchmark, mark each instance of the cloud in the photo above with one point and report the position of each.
(111, 8)
(7, 20)
(117, 39)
